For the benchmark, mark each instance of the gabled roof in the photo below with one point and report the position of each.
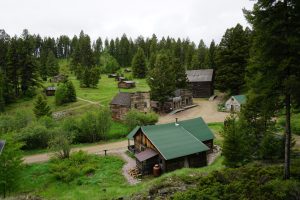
(240, 98)
(200, 75)
(174, 141)
(122, 98)
(51, 88)
(145, 155)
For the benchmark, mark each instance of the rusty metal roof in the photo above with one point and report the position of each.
(145, 155)
(122, 98)
(200, 75)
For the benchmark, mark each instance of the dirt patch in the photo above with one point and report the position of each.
(208, 110)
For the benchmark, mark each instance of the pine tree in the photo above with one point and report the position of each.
(180, 74)
(161, 79)
(274, 66)
(232, 56)
(195, 63)
(202, 51)
(52, 66)
(40, 107)
(211, 61)
(139, 68)
(10, 165)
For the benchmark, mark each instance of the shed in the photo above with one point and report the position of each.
(201, 82)
(120, 78)
(126, 84)
(173, 145)
(235, 103)
(50, 91)
(112, 75)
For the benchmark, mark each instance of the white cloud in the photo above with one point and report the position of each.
(196, 19)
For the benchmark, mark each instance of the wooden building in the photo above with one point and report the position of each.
(112, 75)
(201, 82)
(125, 101)
(50, 91)
(181, 99)
(126, 84)
(172, 146)
(235, 103)
(120, 78)
(58, 78)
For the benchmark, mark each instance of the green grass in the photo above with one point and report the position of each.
(106, 89)
(107, 182)
(217, 127)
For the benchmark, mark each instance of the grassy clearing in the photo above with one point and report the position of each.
(106, 183)
(217, 127)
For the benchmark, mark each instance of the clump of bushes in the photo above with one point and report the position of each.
(65, 93)
(248, 182)
(295, 123)
(136, 118)
(79, 164)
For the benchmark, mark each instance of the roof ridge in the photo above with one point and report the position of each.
(192, 135)
(153, 143)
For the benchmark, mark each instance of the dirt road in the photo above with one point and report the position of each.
(114, 147)
(205, 109)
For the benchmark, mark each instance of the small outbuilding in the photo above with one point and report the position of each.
(171, 146)
(201, 82)
(123, 102)
(126, 84)
(235, 103)
(112, 75)
(50, 91)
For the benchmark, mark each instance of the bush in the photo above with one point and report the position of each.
(295, 123)
(35, 136)
(108, 63)
(14, 122)
(61, 142)
(136, 118)
(272, 147)
(65, 93)
(79, 164)
(94, 126)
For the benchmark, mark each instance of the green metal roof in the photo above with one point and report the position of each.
(174, 141)
(132, 133)
(240, 98)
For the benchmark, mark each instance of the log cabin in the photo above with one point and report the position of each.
(201, 82)
(126, 84)
(123, 102)
(182, 98)
(172, 146)
(50, 91)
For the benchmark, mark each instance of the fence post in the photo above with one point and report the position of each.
(105, 152)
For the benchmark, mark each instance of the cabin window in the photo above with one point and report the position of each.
(135, 105)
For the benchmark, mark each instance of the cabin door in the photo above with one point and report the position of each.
(231, 108)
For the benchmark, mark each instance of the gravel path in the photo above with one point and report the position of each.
(208, 110)
(114, 147)
(130, 163)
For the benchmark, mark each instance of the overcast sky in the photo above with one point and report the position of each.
(196, 19)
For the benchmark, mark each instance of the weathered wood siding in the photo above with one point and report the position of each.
(201, 89)
(210, 144)
(118, 111)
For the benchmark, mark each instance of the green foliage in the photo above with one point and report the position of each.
(69, 169)
(108, 63)
(136, 118)
(14, 122)
(65, 93)
(138, 65)
(10, 165)
(272, 147)
(250, 182)
(94, 126)
(90, 77)
(34, 136)
(41, 108)
(295, 123)
(2, 102)
(235, 146)
(231, 59)
(61, 142)
(161, 79)
(52, 67)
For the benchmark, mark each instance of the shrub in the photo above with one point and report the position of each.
(94, 126)
(14, 122)
(108, 63)
(65, 93)
(295, 123)
(35, 136)
(136, 118)
(67, 170)
(61, 142)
